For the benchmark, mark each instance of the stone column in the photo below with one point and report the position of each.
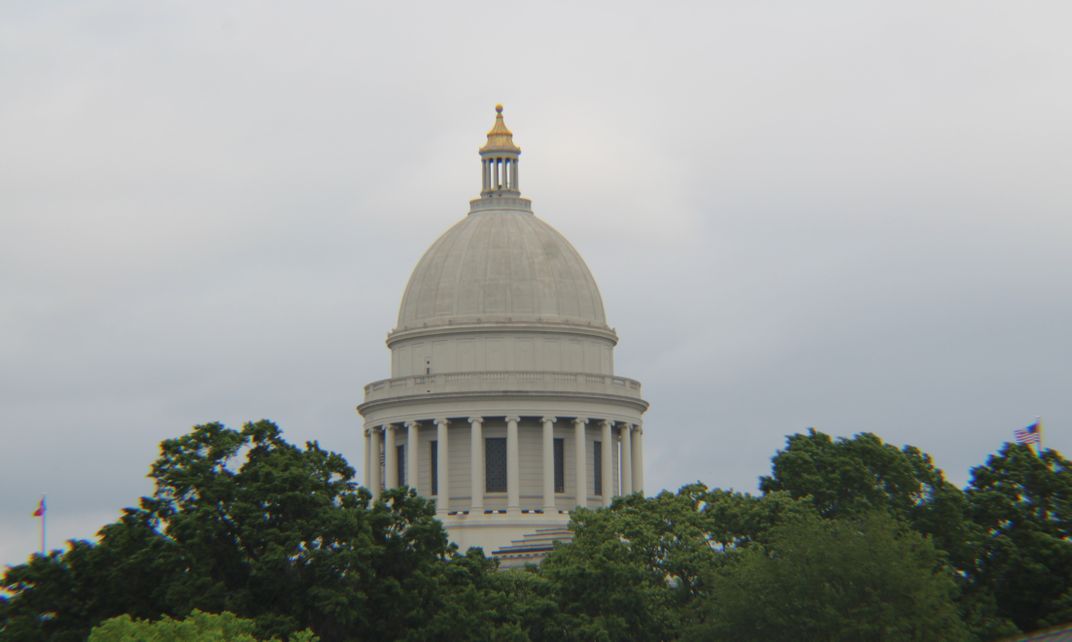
(413, 459)
(443, 495)
(368, 458)
(513, 465)
(627, 459)
(579, 457)
(608, 464)
(513, 183)
(375, 482)
(638, 459)
(390, 457)
(476, 462)
(549, 466)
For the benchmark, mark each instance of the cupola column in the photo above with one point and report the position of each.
(549, 465)
(442, 478)
(513, 465)
(476, 464)
(608, 463)
(627, 459)
(413, 440)
(579, 457)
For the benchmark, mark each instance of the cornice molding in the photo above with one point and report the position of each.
(502, 326)
(408, 400)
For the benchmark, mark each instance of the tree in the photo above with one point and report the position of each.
(471, 602)
(852, 539)
(850, 477)
(197, 627)
(735, 520)
(242, 521)
(866, 578)
(1023, 504)
(633, 570)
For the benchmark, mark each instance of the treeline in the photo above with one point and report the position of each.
(850, 539)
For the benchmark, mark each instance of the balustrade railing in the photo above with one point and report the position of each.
(502, 380)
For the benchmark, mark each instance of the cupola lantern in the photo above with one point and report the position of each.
(498, 160)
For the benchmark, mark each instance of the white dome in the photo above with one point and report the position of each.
(501, 266)
(502, 350)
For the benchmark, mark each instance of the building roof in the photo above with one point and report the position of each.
(1061, 633)
(501, 266)
(500, 139)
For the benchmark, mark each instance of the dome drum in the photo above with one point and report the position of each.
(502, 351)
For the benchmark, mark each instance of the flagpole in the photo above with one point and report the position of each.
(44, 518)
(1038, 446)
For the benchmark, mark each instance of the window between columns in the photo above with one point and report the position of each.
(597, 467)
(433, 450)
(560, 465)
(495, 465)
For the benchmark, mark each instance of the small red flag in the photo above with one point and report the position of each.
(40, 512)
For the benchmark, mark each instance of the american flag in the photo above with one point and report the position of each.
(1030, 435)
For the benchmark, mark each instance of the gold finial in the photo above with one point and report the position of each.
(500, 139)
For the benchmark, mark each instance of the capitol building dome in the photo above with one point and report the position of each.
(502, 266)
(502, 403)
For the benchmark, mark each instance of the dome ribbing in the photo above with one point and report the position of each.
(501, 266)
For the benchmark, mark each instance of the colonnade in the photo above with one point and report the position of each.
(499, 173)
(382, 465)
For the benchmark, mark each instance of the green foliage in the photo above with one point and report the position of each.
(854, 579)
(856, 476)
(242, 521)
(469, 603)
(641, 569)
(627, 569)
(1023, 504)
(735, 520)
(197, 627)
(852, 539)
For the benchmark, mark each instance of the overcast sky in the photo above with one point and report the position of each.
(850, 215)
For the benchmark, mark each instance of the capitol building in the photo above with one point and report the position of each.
(502, 404)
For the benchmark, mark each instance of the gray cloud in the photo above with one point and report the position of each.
(853, 215)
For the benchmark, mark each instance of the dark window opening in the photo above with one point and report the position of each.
(495, 465)
(560, 465)
(597, 467)
(434, 450)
